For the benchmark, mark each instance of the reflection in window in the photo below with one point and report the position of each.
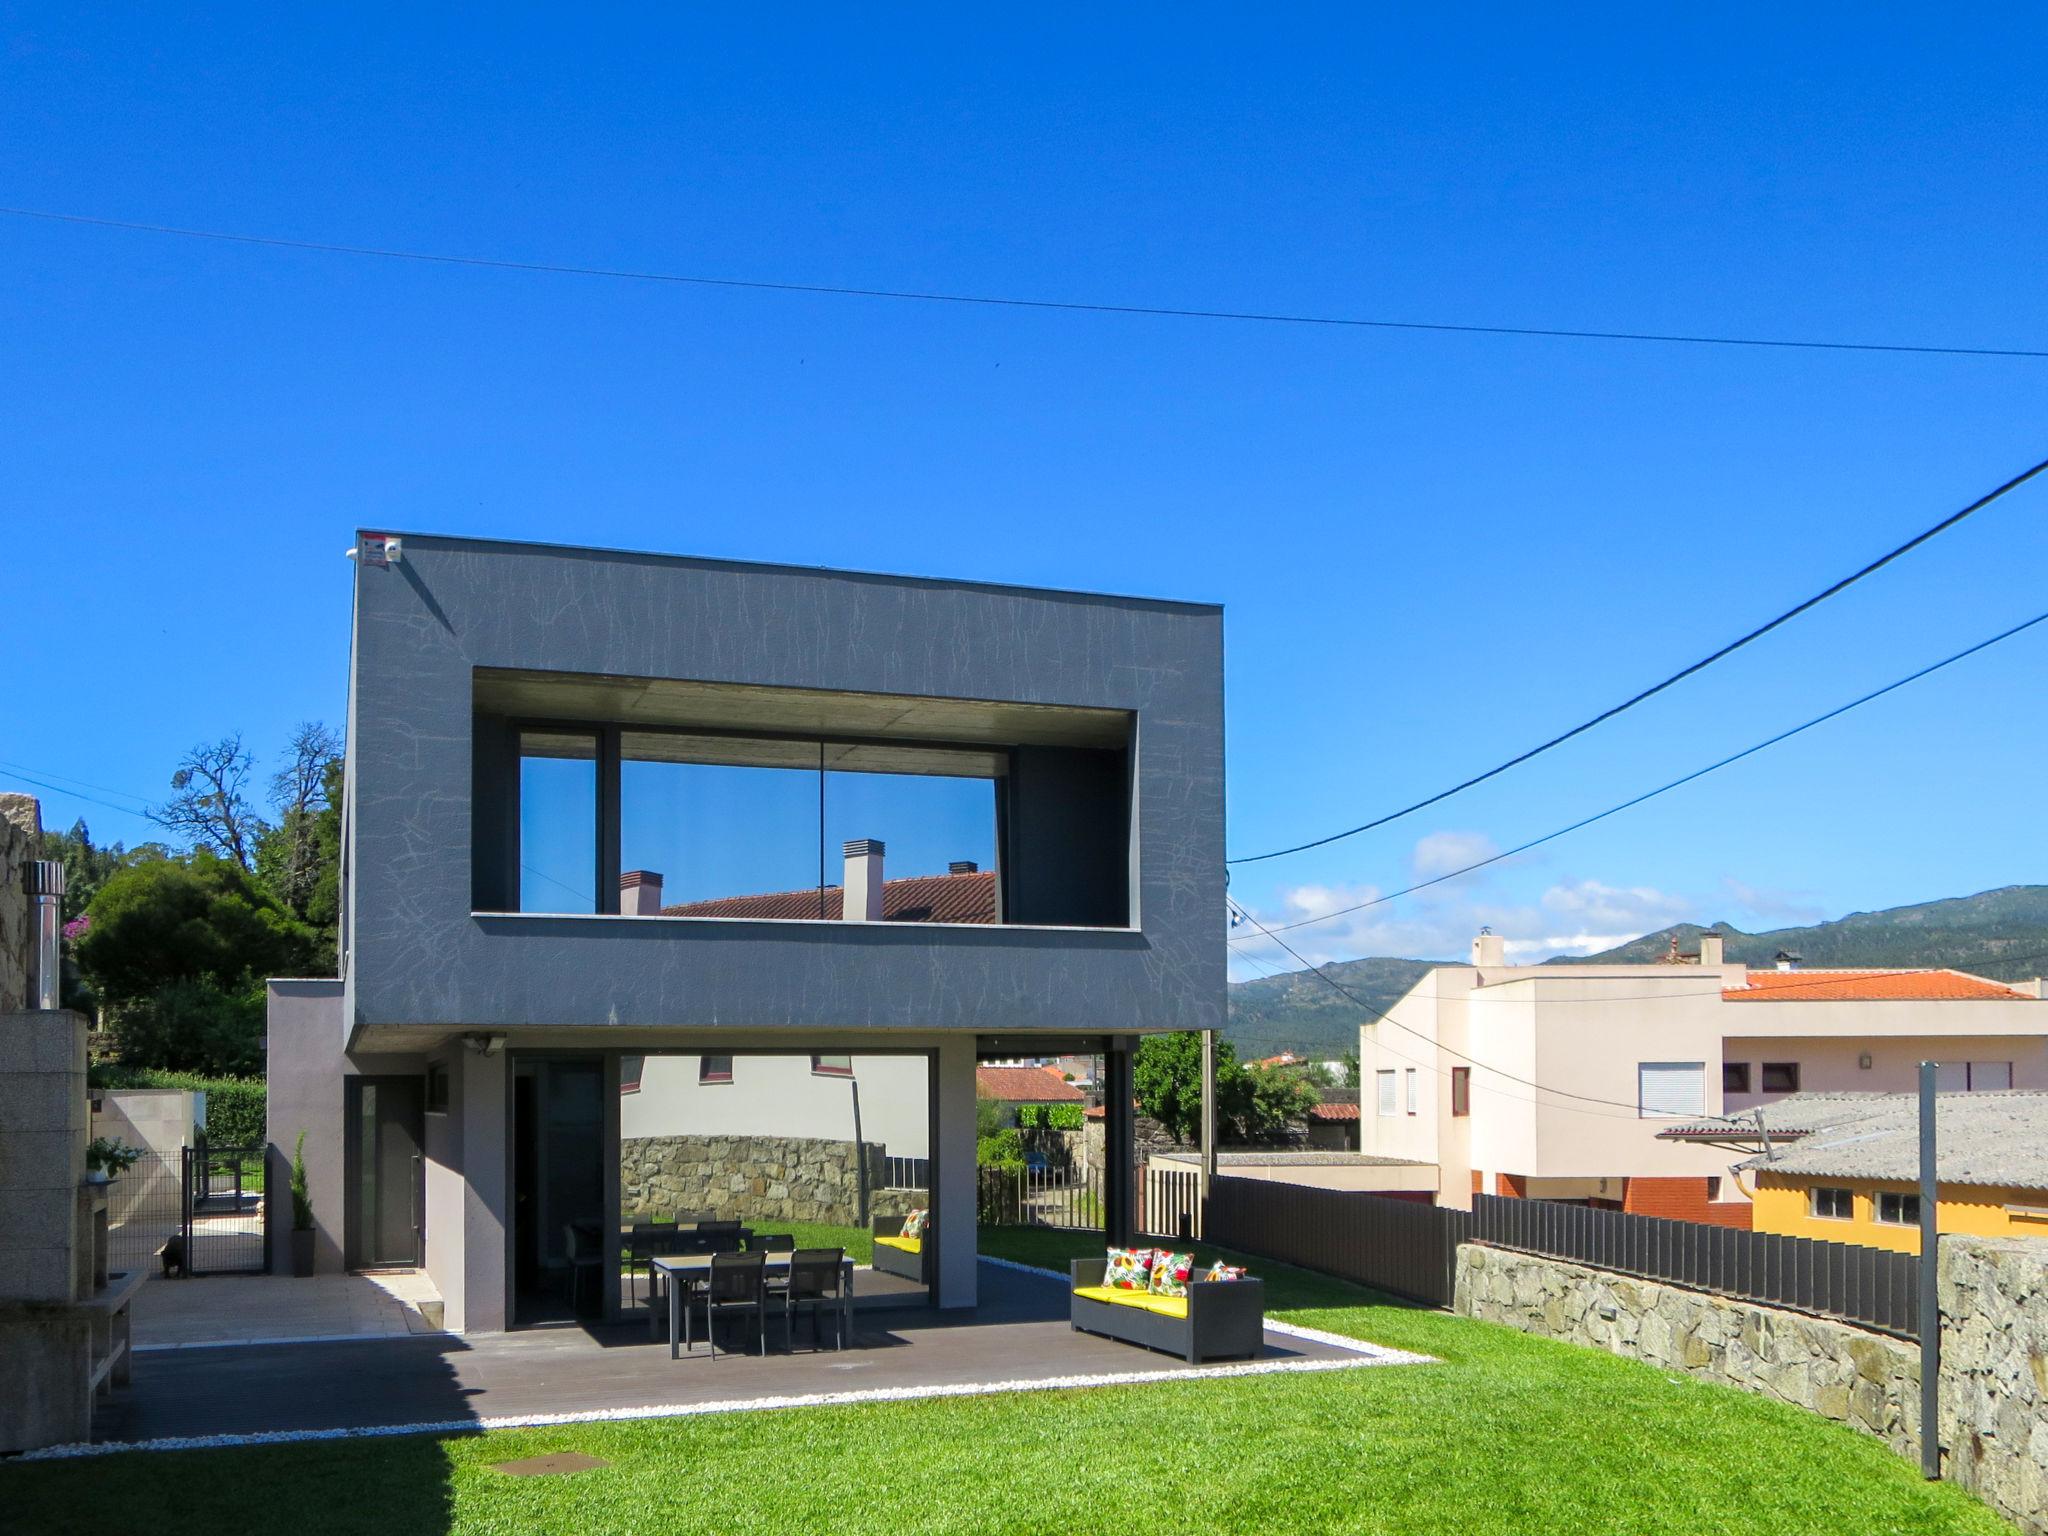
(714, 1069)
(832, 1066)
(557, 822)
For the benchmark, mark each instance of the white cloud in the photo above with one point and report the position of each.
(1441, 852)
(1569, 917)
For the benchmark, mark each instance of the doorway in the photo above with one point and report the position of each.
(386, 1226)
(558, 1188)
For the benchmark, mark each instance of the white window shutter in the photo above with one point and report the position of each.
(1386, 1087)
(1414, 1093)
(1675, 1089)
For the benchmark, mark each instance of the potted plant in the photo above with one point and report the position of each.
(302, 1214)
(106, 1156)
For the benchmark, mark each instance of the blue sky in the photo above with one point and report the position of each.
(1434, 550)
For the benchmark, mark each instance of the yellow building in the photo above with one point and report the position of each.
(1857, 1181)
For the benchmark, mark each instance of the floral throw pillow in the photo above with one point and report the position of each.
(1130, 1269)
(1222, 1271)
(1170, 1272)
(913, 1224)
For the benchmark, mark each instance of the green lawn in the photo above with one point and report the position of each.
(1508, 1434)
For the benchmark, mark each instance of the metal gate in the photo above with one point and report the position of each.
(223, 1211)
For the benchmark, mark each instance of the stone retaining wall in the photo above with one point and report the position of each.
(20, 843)
(1994, 1373)
(1862, 1379)
(753, 1178)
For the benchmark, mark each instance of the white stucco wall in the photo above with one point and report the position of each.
(782, 1096)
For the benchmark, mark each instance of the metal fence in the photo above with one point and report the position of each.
(145, 1210)
(1170, 1203)
(906, 1172)
(1041, 1197)
(1866, 1286)
(1411, 1249)
(1405, 1247)
(224, 1194)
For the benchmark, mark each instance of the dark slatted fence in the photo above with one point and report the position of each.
(1866, 1286)
(1401, 1246)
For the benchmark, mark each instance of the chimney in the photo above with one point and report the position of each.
(1489, 948)
(861, 896)
(1710, 949)
(640, 893)
(963, 867)
(44, 880)
(1786, 960)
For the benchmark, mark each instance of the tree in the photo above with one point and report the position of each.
(87, 866)
(176, 952)
(288, 850)
(210, 802)
(1253, 1103)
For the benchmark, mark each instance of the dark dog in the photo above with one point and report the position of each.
(173, 1255)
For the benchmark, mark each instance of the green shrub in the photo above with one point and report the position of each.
(234, 1105)
(1031, 1117)
(1005, 1149)
(302, 1201)
(1065, 1117)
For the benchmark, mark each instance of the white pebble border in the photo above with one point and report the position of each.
(1361, 1356)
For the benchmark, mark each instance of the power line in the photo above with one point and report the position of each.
(1679, 676)
(1698, 773)
(65, 778)
(58, 789)
(1071, 306)
(1634, 1110)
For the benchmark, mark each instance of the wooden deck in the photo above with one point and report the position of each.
(1019, 1333)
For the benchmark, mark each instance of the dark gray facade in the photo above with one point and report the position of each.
(422, 958)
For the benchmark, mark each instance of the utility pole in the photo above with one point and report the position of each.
(1208, 1107)
(1930, 1280)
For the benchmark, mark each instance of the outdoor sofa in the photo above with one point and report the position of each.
(896, 1254)
(1216, 1320)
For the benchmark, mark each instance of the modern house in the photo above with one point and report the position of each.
(1553, 1081)
(534, 731)
(1852, 1174)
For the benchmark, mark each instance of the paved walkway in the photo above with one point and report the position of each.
(1017, 1339)
(270, 1309)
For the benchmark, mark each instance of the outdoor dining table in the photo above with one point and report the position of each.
(687, 1269)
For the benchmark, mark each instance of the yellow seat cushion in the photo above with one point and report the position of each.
(905, 1244)
(1165, 1306)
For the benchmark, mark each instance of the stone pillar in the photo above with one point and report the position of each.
(954, 1173)
(45, 1341)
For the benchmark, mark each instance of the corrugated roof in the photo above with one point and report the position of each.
(1811, 986)
(1795, 1115)
(1025, 1085)
(969, 898)
(1998, 1139)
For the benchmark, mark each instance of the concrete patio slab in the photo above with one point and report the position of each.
(217, 1310)
(1018, 1339)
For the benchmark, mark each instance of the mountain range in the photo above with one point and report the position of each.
(2001, 933)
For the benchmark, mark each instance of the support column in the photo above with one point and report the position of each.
(1119, 1145)
(954, 1175)
(480, 1299)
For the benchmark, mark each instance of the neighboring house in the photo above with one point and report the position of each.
(535, 730)
(1622, 1051)
(1856, 1178)
(1333, 1124)
(1015, 1087)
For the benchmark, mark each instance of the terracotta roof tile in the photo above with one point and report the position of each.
(1868, 986)
(969, 898)
(1347, 1111)
(1025, 1085)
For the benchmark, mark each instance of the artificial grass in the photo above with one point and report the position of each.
(1507, 1434)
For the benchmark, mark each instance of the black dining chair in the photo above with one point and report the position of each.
(768, 1242)
(738, 1284)
(586, 1257)
(817, 1279)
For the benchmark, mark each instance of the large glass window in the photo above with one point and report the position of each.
(557, 821)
